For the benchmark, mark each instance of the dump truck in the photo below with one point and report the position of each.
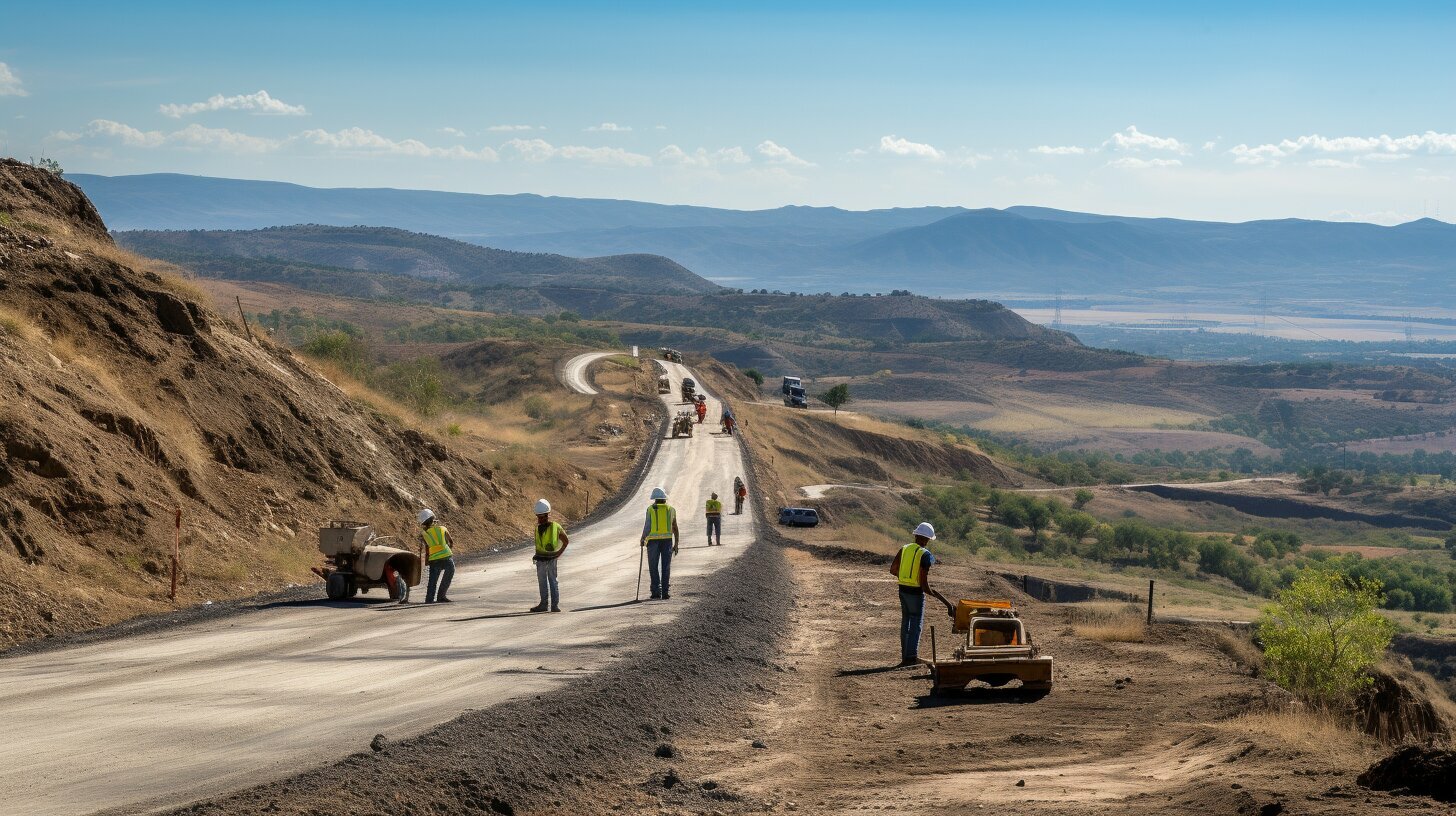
(664, 385)
(358, 561)
(689, 389)
(994, 648)
(795, 397)
(671, 355)
(682, 424)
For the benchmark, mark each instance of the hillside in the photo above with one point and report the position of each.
(124, 398)
(415, 255)
(930, 250)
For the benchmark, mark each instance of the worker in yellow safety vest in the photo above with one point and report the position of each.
(551, 541)
(714, 513)
(911, 568)
(435, 548)
(660, 537)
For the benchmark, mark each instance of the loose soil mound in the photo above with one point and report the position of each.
(1415, 769)
(123, 398)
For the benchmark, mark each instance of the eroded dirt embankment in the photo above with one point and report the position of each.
(1281, 507)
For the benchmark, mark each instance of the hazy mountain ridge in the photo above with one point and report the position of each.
(932, 250)
(414, 255)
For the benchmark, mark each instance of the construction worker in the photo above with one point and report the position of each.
(727, 420)
(660, 537)
(715, 519)
(435, 548)
(702, 408)
(740, 492)
(912, 569)
(551, 541)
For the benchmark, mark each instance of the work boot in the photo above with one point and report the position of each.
(555, 609)
(666, 596)
(442, 600)
(656, 596)
(540, 607)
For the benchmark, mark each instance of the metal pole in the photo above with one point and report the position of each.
(176, 552)
(1150, 600)
(641, 553)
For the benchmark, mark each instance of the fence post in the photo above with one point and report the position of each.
(176, 551)
(1150, 600)
(244, 316)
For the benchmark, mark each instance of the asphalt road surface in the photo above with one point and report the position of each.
(158, 720)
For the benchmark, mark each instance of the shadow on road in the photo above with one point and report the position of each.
(870, 670)
(496, 616)
(975, 696)
(617, 605)
(325, 603)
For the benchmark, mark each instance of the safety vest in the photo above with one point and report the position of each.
(548, 541)
(910, 557)
(435, 538)
(662, 517)
(715, 507)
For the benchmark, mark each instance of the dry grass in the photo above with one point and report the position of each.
(1108, 622)
(1321, 733)
(1240, 648)
(18, 325)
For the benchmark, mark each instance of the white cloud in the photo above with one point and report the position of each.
(192, 137)
(1134, 139)
(510, 128)
(674, 155)
(260, 103)
(904, 147)
(609, 127)
(539, 150)
(1211, 144)
(1336, 163)
(362, 140)
(1376, 217)
(659, 127)
(776, 153)
(1365, 148)
(456, 132)
(1133, 163)
(1065, 150)
(10, 83)
(1040, 180)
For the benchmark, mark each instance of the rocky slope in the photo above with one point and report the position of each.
(123, 398)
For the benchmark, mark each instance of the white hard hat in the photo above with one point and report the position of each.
(542, 506)
(426, 515)
(658, 493)
(925, 530)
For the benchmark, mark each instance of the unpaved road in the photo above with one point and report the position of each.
(573, 372)
(142, 723)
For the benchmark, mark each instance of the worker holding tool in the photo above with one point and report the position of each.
(660, 538)
(715, 519)
(740, 492)
(702, 408)
(551, 541)
(435, 548)
(912, 569)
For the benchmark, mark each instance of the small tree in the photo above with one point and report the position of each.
(1082, 498)
(1076, 525)
(1451, 542)
(1323, 632)
(753, 374)
(835, 397)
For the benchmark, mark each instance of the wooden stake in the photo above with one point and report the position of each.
(933, 657)
(176, 552)
(1150, 600)
(245, 319)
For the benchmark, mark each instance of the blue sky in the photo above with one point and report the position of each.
(1328, 110)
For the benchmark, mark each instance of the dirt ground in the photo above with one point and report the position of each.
(843, 732)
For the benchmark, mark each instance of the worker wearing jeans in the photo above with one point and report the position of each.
(660, 537)
(714, 513)
(911, 568)
(551, 541)
(435, 547)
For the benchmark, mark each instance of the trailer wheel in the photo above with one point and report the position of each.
(336, 586)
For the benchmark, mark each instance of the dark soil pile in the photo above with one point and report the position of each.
(123, 398)
(1422, 771)
(556, 753)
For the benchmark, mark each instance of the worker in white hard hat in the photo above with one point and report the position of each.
(660, 537)
(551, 541)
(912, 569)
(436, 548)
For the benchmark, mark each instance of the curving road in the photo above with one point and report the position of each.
(573, 373)
(152, 721)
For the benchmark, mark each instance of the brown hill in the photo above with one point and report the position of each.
(124, 398)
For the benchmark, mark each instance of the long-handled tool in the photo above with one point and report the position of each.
(641, 554)
(949, 607)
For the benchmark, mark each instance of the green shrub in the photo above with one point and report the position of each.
(538, 408)
(1323, 633)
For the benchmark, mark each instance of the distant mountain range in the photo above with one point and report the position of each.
(288, 253)
(1027, 251)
